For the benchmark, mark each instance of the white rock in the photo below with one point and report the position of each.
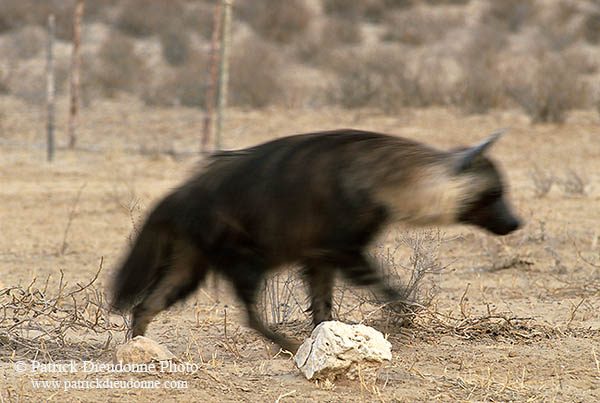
(141, 349)
(336, 350)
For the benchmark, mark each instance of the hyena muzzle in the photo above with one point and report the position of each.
(314, 200)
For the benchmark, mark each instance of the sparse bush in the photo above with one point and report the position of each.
(191, 82)
(340, 32)
(418, 27)
(573, 183)
(357, 85)
(279, 302)
(542, 181)
(312, 50)
(343, 8)
(591, 28)
(478, 91)
(549, 91)
(143, 18)
(381, 79)
(277, 21)
(5, 73)
(14, 14)
(370, 10)
(511, 13)
(200, 17)
(18, 13)
(448, 2)
(119, 67)
(479, 88)
(27, 42)
(185, 86)
(414, 277)
(255, 78)
(175, 45)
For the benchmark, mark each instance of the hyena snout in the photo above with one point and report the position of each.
(501, 220)
(496, 217)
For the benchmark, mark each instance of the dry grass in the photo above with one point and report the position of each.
(490, 340)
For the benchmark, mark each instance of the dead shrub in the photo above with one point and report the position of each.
(39, 323)
(412, 273)
(511, 13)
(337, 31)
(419, 26)
(542, 181)
(280, 21)
(478, 91)
(343, 9)
(312, 50)
(119, 67)
(141, 18)
(549, 90)
(256, 70)
(591, 27)
(369, 10)
(573, 184)
(282, 298)
(200, 17)
(356, 86)
(447, 2)
(479, 88)
(18, 13)
(27, 42)
(184, 86)
(381, 79)
(175, 45)
(14, 14)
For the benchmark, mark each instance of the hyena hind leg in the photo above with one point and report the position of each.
(181, 274)
(246, 285)
(320, 281)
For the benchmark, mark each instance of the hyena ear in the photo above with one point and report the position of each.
(470, 154)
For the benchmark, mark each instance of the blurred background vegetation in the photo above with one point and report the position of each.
(541, 56)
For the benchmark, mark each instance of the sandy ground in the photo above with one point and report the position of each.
(515, 318)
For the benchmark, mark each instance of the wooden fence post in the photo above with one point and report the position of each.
(215, 51)
(75, 72)
(224, 70)
(50, 87)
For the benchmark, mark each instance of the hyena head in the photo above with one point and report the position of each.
(485, 205)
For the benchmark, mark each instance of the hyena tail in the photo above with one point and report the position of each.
(141, 268)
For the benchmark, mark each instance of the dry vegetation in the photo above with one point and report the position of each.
(502, 319)
(472, 55)
(491, 319)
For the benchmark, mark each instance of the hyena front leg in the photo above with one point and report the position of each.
(320, 279)
(182, 271)
(362, 273)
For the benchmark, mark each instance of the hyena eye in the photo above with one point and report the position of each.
(489, 197)
(494, 194)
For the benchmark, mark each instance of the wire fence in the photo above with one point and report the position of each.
(145, 67)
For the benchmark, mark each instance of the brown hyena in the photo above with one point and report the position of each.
(314, 200)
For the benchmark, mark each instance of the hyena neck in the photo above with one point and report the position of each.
(429, 196)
